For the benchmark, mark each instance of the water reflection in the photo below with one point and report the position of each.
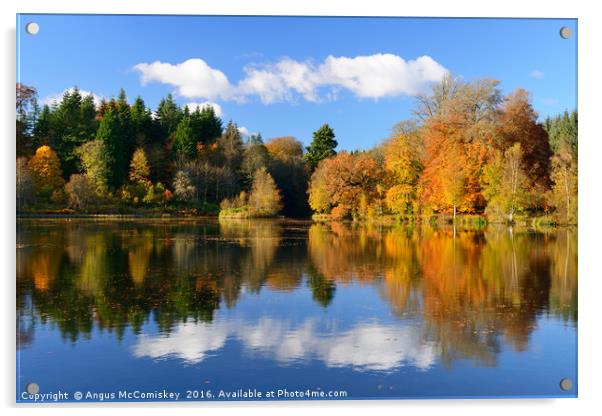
(453, 297)
(366, 346)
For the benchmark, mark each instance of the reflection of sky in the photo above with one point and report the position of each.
(365, 346)
(273, 340)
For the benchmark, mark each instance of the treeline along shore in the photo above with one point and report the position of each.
(468, 153)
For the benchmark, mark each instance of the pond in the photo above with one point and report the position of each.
(216, 310)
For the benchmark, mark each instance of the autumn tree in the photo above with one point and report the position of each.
(94, 161)
(506, 184)
(286, 147)
(564, 192)
(346, 185)
(319, 194)
(24, 184)
(442, 185)
(184, 189)
(27, 112)
(321, 147)
(81, 193)
(518, 124)
(45, 170)
(453, 179)
(288, 168)
(139, 168)
(264, 199)
(403, 163)
(458, 131)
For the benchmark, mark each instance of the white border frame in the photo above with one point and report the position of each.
(590, 199)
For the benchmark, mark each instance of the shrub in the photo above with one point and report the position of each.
(184, 189)
(80, 192)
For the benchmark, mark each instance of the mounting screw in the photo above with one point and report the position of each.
(566, 384)
(565, 32)
(32, 388)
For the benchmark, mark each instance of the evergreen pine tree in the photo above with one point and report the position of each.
(111, 133)
(184, 144)
(206, 126)
(168, 116)
(322, 146)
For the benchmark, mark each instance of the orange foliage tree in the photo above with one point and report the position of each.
(518, 124)
(459, 135)
(284, 148)
(346, 185)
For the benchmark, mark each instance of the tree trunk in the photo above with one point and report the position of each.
(454, 220)
(568, 195)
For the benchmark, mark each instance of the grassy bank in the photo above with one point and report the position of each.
(178, 210)
(473, 221)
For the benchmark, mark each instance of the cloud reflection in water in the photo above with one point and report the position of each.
(364, 347)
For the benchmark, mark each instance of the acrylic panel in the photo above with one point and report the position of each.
(295, 208)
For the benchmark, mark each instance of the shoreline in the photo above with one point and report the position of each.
(442, 220)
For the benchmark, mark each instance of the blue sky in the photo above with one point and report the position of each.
(289, 75)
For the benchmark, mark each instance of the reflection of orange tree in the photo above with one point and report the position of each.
(454, 295)
(139, 254)
(402, 277)
(119, 276)
(470, 290)
(563, 290)
(261, 239)
(344, 254)
(482, 288)
(100, 275)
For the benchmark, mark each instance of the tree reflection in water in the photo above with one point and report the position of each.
(471, 292)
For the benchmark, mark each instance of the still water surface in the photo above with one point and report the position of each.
(374, 312)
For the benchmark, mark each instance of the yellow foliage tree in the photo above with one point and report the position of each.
(563, 195)
(45, 170)
(265, 199)
(403, 153)
(139, 168)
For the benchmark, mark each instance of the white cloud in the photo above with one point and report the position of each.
(371, 76)
(276, 82)
(56, 98)
(536, 73)
(192, 78)
(217, 109)
(381, 75)
(243, 131)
